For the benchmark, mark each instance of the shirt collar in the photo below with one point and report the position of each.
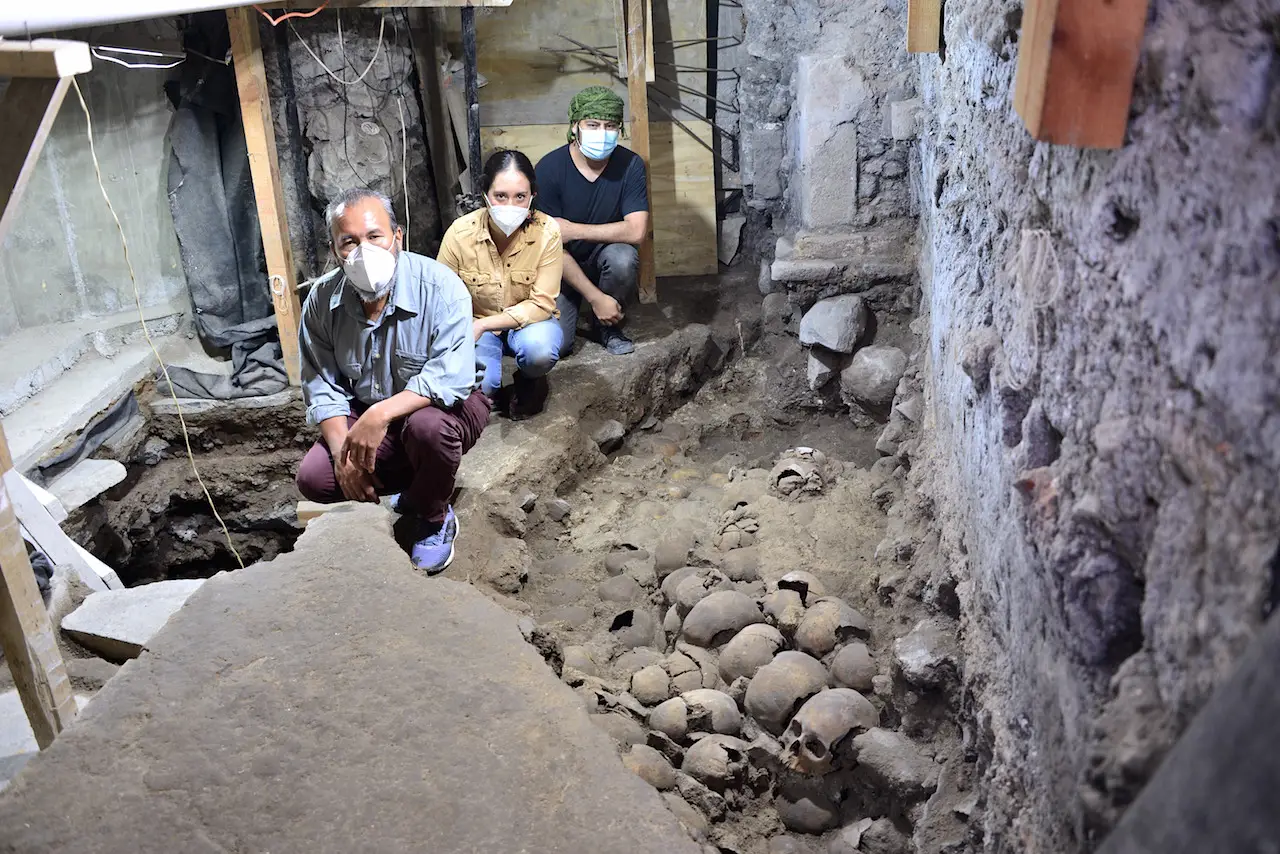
(403, 295)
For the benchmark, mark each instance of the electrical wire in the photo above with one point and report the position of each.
(275, 22)
(381, 28)
(96, 50)
(404, 166)
(137, 296)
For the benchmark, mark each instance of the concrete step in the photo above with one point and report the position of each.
(874, 261)
(117, 624)
(85, 481)
(32, 359)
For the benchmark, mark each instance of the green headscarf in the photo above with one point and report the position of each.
(594, 102)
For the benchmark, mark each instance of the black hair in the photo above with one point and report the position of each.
(501, 161)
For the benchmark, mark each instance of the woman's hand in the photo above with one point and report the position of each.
(479, 327)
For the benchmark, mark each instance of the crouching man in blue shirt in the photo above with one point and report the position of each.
(389, 374)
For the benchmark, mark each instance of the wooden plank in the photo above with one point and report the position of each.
(638, 92)
(682, 181)
(27, 112)
(650, 72)
(26, 635)
(924, 26)
(46, 533)
(620, 35)
(1076, 64)
(259, 134)
(309, 511)
(427, 34)
(43, 58)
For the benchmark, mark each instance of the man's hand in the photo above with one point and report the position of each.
(356, 485)
(567, 230)
(361, 446)
(607, 309)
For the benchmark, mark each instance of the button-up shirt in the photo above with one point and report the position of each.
(523, 282)
(421, 342)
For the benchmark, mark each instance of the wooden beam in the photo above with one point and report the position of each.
(650, 72)
(47, 535)
(924, 26)
(471, 78)
(43, 58)
(426, 29)
(27, 112)
(26, 635)
(638, 94)
(1076, 63)
(259, 134)
(620, 33)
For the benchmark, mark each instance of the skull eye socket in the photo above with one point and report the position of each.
(795, 730)
(816, 747)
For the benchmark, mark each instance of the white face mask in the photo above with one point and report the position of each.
(508, 217)
(371, 270)
(597, 144)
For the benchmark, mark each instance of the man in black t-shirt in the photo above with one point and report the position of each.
(597, 191)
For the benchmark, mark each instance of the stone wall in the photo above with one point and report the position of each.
(62, 260)
(1104, 374)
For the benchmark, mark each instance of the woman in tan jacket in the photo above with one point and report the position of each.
(509, 256)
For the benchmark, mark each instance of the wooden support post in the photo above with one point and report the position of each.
(427, 32)
(650, 72)
(1076, 62)
(259, 134)
(924, 26)
(620, 31)
(638, 94)
(471, 75)
(26, 635)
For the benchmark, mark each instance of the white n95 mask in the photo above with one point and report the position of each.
(508, 217)
(597, 144)
(370, 269)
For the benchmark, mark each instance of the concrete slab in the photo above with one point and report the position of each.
(333, 700)
(17, 741)
(85, 481)
(162, 405)
(118, 624)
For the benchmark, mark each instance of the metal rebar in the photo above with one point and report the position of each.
(470, 75)
(733, 108)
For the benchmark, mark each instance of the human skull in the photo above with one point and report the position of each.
(804, 583)
(717, 761)
(800, 471)
(781, 686)
(822, 726)
(785, 609)
(827, 623)
(716, 618)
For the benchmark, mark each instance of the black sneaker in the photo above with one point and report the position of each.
(613, 340)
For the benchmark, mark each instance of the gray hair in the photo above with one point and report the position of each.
(356, 194)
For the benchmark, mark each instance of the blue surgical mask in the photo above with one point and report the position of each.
(597, 144)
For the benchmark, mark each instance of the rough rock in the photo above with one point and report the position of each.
(711, 803)
(925, 655)
(752, 648)
(781, 687)
(775, 311)
(622, 728)
(651, 685)
(715, 619)
(90, 674)
(571, 616)
(651, 766)
(609, 436)
(508, 567)
(883, 838)
(891, 760)
(873, 374)
(693, 821)
(239, 709)
(853, 667)
(558, 509)
(835, 323)
(616, 561)
(823, 365)
(118, 623)
(848, 839)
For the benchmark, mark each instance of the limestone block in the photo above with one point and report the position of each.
(823, 365)
(902, 118)
(835, 323)
(762, 154)
(832, 93)
(872, 376)
(117, 624)
(806, 271)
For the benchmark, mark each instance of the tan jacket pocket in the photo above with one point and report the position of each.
(522, 285)
(486, 292)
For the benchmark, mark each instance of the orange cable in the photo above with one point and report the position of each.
(286, 16)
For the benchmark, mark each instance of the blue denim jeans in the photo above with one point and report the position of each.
(536, 348)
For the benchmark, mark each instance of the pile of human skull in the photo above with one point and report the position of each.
(746, 694)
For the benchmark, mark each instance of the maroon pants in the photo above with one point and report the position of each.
(419, 457)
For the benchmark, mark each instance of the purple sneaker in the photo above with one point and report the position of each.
(433, 552)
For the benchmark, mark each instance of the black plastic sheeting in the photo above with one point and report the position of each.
(212, 202)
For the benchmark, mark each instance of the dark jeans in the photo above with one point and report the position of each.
(615, 269)
(419, 457)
